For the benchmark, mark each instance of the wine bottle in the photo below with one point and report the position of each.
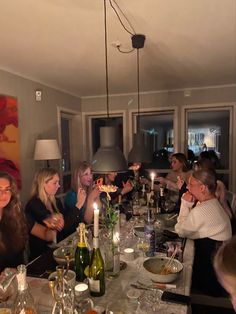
(82, 258)
(24, 302)
(150, 233)
(96, 271)
(161, 201)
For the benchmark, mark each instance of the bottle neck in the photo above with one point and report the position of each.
(21, 278)
(95, 242)
(161, 192)
(82, 239)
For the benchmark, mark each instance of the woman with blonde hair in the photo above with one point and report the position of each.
(224, 264)
(81, 197)
(203, 219)
(44, 209)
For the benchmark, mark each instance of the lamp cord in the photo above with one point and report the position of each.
(119, 18)
(106, 59)
(138, 81)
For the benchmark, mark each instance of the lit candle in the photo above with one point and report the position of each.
(152, 180)
(96, 220)
(116, 238)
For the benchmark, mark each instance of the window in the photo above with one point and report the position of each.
(160, 133)
(210, 129)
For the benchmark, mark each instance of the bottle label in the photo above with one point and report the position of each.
(94, 285)
(150, 234)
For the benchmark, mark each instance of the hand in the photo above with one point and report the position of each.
(188, 197)
(81, 197)
(144, 181)
(55, 222)
(94, 194)
(127, 187)
(179, 182)
(161, 180)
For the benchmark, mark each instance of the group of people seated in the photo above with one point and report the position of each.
(204, 215)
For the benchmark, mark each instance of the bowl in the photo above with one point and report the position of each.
(59, 254)
(166, 221)
(139, 231)
(153, 267)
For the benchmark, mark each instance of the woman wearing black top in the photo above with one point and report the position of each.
(43, 208)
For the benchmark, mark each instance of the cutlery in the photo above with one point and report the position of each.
(142, 287)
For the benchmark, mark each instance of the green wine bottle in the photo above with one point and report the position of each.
(82, 258)
(96, 271)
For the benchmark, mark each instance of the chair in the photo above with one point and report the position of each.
(231, 198)
(207, 300)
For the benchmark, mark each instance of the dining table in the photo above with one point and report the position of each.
(120, 290)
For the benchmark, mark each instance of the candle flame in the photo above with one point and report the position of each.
(95, 206)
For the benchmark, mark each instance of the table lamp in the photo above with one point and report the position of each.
(46, 150)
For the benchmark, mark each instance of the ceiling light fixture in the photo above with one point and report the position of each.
(108, 157)
(140, 151)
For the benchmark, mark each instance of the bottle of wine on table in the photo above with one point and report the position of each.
(96, 271)
(82, 257)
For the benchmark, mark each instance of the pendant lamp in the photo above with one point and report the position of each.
(108, 157)
(140, 151)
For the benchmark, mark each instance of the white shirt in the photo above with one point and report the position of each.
(206, 220)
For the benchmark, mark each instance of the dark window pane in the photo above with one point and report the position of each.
(209, 130)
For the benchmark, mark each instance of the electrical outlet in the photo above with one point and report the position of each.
(115, 44)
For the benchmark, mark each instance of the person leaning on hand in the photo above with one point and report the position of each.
(203, 219)
(82, 195)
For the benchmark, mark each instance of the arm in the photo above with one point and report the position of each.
(43, 233)
(187, 222)
(92, 197)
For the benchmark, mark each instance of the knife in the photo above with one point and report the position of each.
(141, 287)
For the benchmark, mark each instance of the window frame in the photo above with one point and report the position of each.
(212, 107)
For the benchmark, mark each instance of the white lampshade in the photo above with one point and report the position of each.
(46, 150)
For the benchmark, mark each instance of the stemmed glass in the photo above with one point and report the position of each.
(143, 246)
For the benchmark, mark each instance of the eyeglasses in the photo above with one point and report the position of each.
(5, 191)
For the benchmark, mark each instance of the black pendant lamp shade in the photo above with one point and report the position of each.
(108, 158)
(140, 152)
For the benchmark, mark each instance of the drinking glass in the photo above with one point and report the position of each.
(143, 246)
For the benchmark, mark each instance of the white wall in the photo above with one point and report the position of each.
(36, 119)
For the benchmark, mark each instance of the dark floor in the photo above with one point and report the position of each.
(203, 309)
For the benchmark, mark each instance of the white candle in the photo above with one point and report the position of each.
(116, 238)
(96, 220)
(152, 180)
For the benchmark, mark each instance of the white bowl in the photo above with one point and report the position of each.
(59, 254)
(154, 265)
(139, 231)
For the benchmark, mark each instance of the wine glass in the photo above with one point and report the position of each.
(143, 246)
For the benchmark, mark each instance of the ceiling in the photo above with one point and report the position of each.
(189, 43)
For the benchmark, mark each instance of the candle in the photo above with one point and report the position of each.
(96, 220)
(129, 254)
(152, 180)
(81, 290)
(116, 238)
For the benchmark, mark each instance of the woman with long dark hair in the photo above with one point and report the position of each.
(13, 228)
